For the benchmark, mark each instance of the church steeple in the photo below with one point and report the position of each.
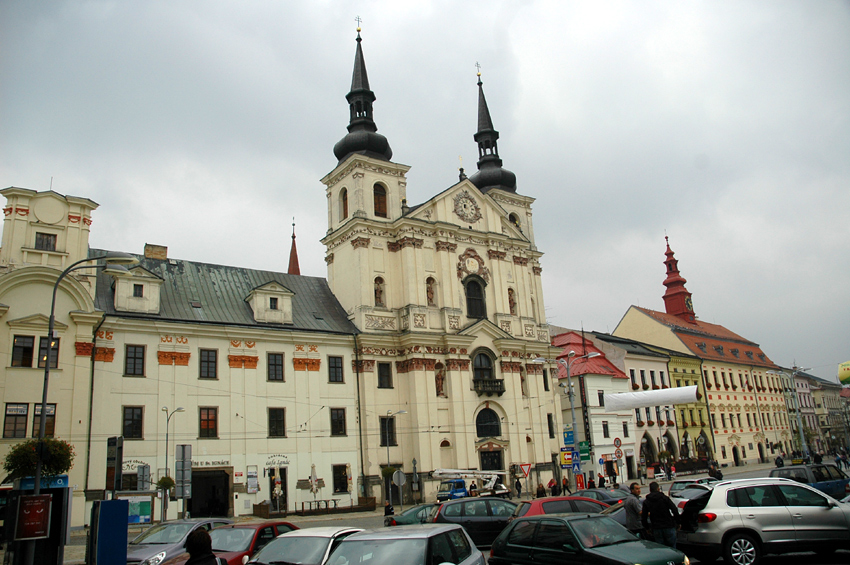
(490, 173)
(362, 137)
(677, 299)
(294, 269)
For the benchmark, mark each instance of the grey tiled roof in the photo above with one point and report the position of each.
(219, 293)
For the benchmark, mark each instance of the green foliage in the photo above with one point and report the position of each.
(387, 472)
(165, 483)
(21, 461)
(665, 456)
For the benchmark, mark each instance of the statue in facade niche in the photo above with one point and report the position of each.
(429, 291)
(440, 380)
(512, 301)
(379, 291)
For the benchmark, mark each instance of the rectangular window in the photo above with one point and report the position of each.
(749, 420)
(648, 414)
(133, 422)
(209, 422)
(678, 383)
(22, 351)
(138, 290)
(134, 360)
(551, 422)
(385, 376)
(388, 431)
(15, 423)
(340, 479)
(723, 419)
(637, 415)
(277, 422)
(605, 432)
(209, 364)
(272, 303)
(335, 369)
(661, 377)
(714, 421)
(722, 450)
(49, 422)
(625, 429)
(643, 377)
(652, 378)
(632, 376)
(545, 380)
(275, 366)
(45, 241)
(338, 422)
(42, 352)
(601, 395)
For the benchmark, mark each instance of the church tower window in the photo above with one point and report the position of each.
(482, 367)
(475, 305)
(380, 197)
(379, 292)
(343, 204)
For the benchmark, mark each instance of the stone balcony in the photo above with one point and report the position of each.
(489, 386)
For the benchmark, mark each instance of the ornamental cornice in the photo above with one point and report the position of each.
(399, 171)
(524, 202)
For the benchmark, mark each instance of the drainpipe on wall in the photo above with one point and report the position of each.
(359, 414)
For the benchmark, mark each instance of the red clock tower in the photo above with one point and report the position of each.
(677, 299)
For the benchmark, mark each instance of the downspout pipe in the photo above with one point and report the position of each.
(359, 414)
(91, 400)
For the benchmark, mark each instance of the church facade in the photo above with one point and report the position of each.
(416, 353)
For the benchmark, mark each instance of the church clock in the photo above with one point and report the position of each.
(467, 208)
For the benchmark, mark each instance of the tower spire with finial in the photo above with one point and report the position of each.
(490, 173)
(294, 269)
(677, 299)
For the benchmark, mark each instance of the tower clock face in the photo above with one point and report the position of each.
(466, 208)
(689, 304)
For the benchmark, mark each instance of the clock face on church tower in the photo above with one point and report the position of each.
(467, 208)
(689, 304)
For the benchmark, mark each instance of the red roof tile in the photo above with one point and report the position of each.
(600, 365)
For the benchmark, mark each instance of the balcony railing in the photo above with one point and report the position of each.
(489, 386)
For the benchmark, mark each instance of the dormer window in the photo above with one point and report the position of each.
(272, 303)
(749, 354)
(45, 241)
(138, 291)
(734, 352)
(719, 349)
(762, 357)
(701, 345)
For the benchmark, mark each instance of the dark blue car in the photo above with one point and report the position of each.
(828, 479)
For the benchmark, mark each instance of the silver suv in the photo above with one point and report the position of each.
(743, 520)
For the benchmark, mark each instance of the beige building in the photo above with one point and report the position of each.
(747, 415)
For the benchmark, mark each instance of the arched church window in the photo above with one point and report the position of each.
(482, 366)
(431, 291)
(487, 424)
(343, 204)
(512, 301)
(445, 443)
(379, 292)
(380, 197)
(475, 305)
(514, 219)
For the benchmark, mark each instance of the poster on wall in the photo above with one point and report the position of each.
(33, 517)
(141, 509)
(253, 482)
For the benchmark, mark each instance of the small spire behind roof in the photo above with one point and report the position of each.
(294, 269)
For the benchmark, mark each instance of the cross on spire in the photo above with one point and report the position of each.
(358, 19)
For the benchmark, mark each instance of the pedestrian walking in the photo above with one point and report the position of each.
(673, 471)
(633, 507)
(556, 489)
(541, 492)
(518, 486)
(591, 483)
(601, 481)
(565, 486)
(660, 511)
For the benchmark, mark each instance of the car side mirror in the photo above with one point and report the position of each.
(831, 504)
(570, 548)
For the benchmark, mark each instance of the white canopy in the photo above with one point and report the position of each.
(663, 397)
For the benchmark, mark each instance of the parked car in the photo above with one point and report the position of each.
(616, 512)
(415, 544)
(577, 538)
(164, 541)
(308, 546)
(235, 541)
(607, 495)
(681, 484)
(558, 505)
(826, 478)
(744, 519)
(482, 518)
(413, 515)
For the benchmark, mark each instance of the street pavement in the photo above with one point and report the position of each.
(75, 553)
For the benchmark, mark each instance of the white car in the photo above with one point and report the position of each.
(308, 546)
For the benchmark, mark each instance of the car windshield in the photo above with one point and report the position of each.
(601, 531)
(380, 552)
(231, 539)
(676, 487)
(302, 550)
(172, 532)
(446, 487)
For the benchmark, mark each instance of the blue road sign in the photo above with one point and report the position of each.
(568, 438)
(576, 468)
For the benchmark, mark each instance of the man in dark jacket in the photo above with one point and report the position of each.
(199, 546)
(660, 515)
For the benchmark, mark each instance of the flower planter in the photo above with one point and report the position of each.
(671, 423)
(640, 424)
(694, 424)
(665, 386)
(650, 423)
(699, 396)
(645, 387)
(684, 424)
(635, 386)
(707, 385)
(656, 387)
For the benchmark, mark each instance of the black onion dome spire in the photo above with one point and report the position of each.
(361, 137)
(490, 173)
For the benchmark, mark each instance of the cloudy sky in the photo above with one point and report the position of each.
(205, 126)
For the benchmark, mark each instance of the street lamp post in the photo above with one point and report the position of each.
(796, 370)
(390, 414)
(567, 364)
(114, 262)
(167, 420)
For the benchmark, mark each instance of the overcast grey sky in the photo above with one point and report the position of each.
(205, 126)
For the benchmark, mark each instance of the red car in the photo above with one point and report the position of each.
(558, 505)
(234, 541)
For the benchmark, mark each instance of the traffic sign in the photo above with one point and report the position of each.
(568, 437)
(618, 453)
(576, 468)
(618, 442)
(601, 461)
(525, 468)
(566, 457)
(576, 455)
